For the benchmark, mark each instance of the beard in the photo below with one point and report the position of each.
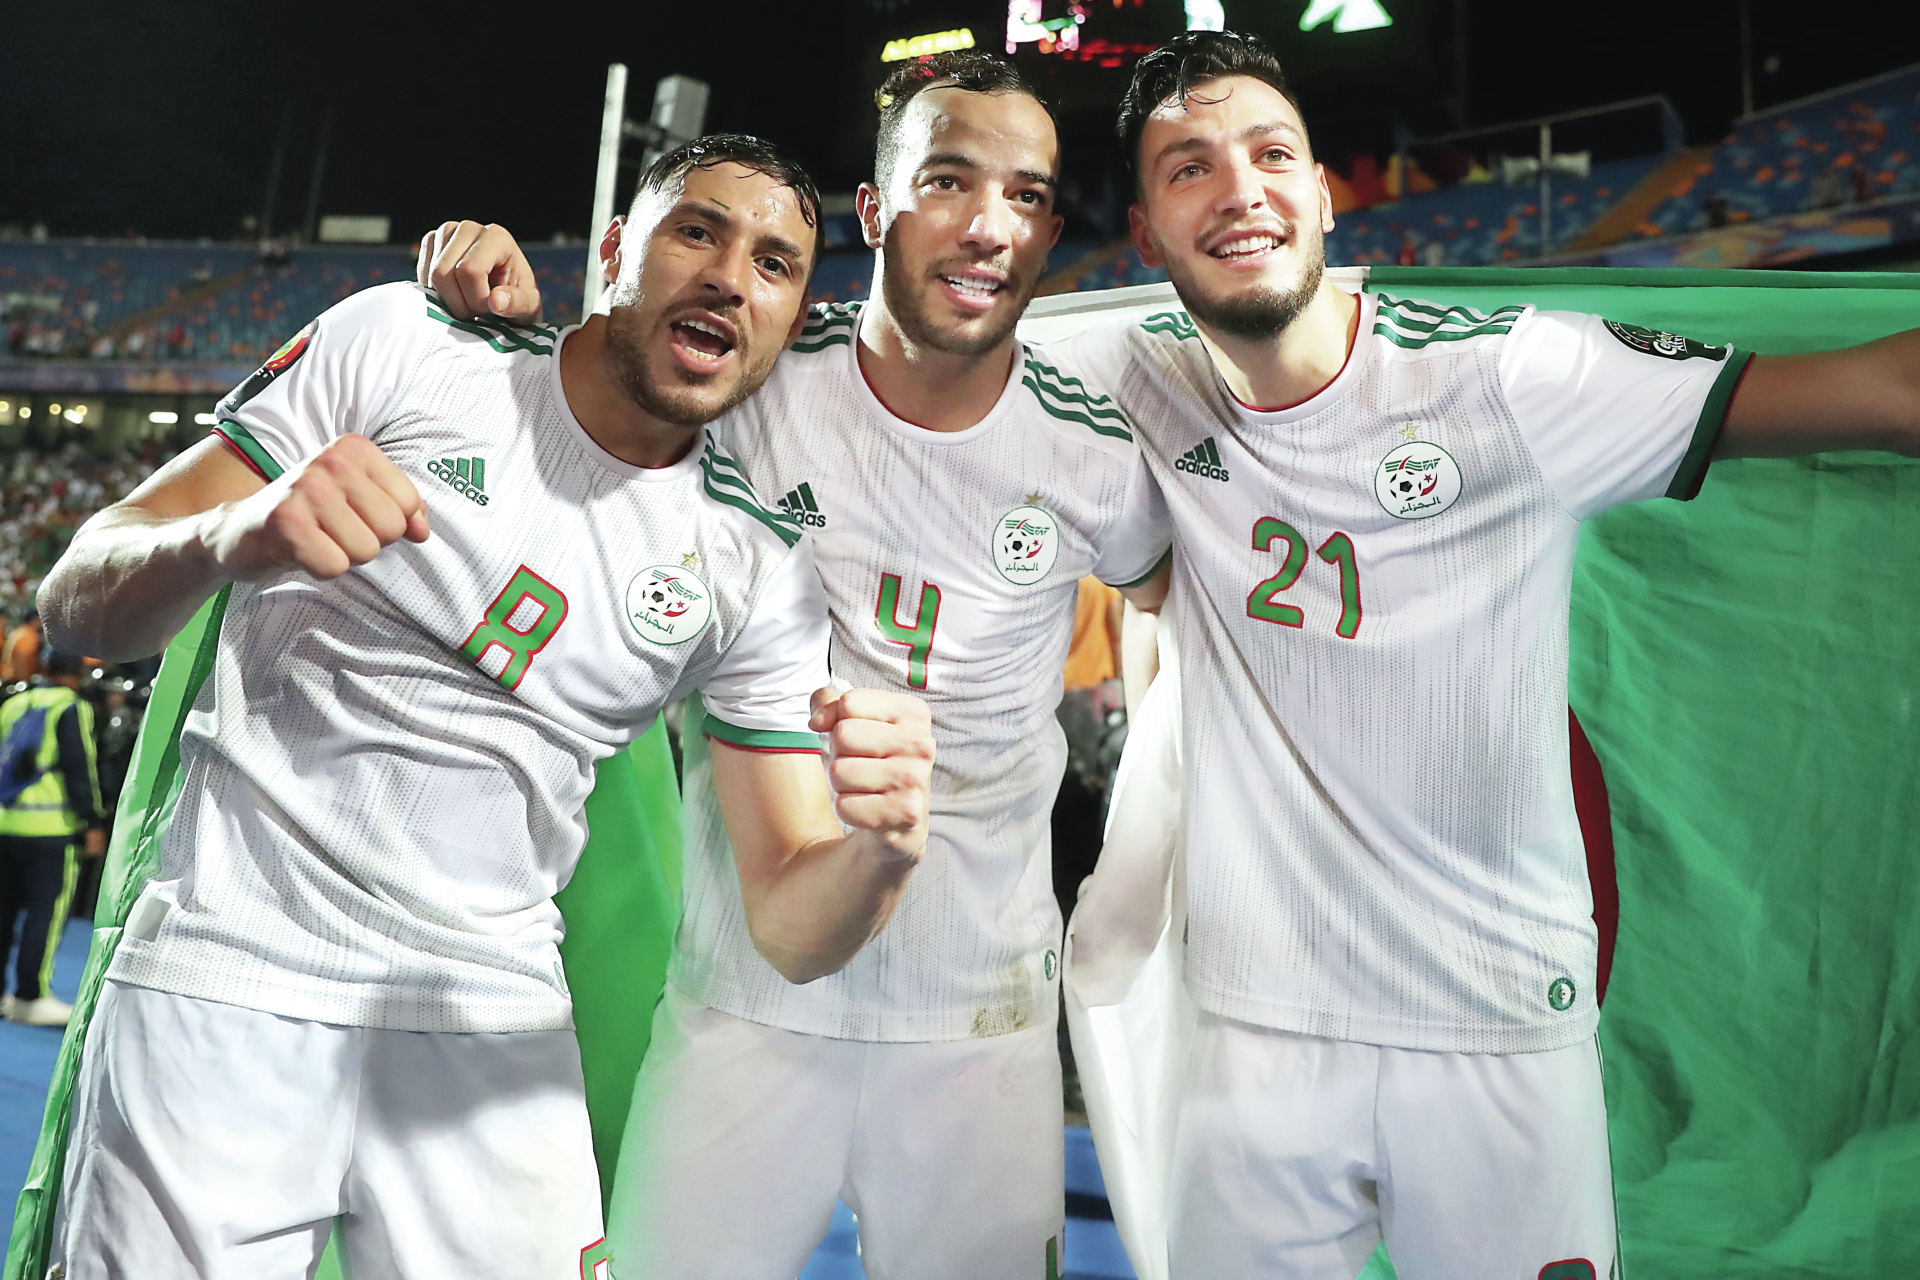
(908, 304)
(679, 406)
(1264, 311)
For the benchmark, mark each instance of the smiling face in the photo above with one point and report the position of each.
(710, 281)
(1232, 204)
(967, 218)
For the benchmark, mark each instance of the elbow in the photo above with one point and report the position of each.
(59, 618)
(798, 965)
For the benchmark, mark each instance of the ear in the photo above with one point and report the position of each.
(610, 245)
(1142, 237)
(1058, 223)
(866, 205)
(799, 322)
(1326, 199)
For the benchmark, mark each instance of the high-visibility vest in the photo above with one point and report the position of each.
(44, 808)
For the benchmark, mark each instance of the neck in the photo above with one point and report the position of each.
(604, 409)
(938, 390)
(1296, 364)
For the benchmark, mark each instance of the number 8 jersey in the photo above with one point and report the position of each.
(951, 562)
(1370, 595)
(383, 773)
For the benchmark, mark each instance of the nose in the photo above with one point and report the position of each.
(728, 273)
(990, 230)
(1243, 189)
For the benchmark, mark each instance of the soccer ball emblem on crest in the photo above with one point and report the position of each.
(1025, 543)
(668, 604)
(1417, 480)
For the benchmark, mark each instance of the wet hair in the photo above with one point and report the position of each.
(1185, 62)
(966, 69)
(670, 170)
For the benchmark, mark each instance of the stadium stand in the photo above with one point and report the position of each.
(1852, 146)
(45, 496)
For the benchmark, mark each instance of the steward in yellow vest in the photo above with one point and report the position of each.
(46, 743)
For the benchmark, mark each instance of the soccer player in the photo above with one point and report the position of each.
(341, 996)
(957, 484)
(1375, 502)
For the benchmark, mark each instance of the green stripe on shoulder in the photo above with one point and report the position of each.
(504, 340)
(1057, 395)
(724, 487)
(1175, 324)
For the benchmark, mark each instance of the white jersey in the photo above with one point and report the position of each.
(951, 562)
(383, 774)
(1371, 597)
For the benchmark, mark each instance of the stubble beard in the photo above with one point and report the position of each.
(906, 303)
(1259, 313)
(683, 406)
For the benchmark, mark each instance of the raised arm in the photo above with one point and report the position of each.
(815, 893)
(1864, 397)
(136, 572)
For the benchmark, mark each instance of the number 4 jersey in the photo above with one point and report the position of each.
(952, 563)
(1370, 595)
(384, 773)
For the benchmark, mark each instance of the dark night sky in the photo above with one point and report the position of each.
(160, 119)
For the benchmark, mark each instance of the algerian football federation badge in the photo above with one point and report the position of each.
(668, 604)
(1655, 342)
(1025, 543)
(1417, 480)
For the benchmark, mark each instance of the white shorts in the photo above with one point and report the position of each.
(212, 1142)
(1294, 1156)
(742, 1136)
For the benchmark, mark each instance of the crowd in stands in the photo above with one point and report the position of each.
(44, 497)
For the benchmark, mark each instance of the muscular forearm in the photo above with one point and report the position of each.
(128, 582)
(1865, 397)
(810, 915)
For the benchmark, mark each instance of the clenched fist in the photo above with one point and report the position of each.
(880, 762)
(478, 271)
(334, 511)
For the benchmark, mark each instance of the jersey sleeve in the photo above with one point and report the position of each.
(759, 697)
(333, 378)
(1612, 412)
(1142, 535)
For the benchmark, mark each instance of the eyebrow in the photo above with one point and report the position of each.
(721, 217)
(960, 160)
(1194, 143)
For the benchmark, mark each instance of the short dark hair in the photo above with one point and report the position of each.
(1183, 63)
(967, 69)
(57, 663)
(748, 152)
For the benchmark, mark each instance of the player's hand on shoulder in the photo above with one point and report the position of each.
(478, 270)
(334, 511)
(880, 761)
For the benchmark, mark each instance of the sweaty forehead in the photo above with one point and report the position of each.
(750, 196)
(996, 130)
(1232, 103)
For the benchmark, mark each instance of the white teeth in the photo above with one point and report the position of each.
(985, 288)
(1246, 245)
(704, 327)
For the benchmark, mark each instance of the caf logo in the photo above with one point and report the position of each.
(668, 605)
(1417, 480)
(1560, 994)
(1025, 543)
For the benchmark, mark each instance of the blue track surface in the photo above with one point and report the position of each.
(27, 1055)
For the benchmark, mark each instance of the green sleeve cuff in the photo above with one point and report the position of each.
(1685, 485)
(249, 449)
(758, 739)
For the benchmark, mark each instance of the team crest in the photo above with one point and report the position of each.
(1417, 480)
(277, 363)
(1026, 541)
(667, 604)
(1668, 346)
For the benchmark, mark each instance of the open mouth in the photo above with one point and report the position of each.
(1246, 246)
(971, 290)
(702, 343)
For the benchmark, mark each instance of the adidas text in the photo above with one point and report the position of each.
(465, 476)
(1202, 460)
(800, 505)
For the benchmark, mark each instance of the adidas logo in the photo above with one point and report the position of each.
(1202, 460)
(800, 505)
(466, 476)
